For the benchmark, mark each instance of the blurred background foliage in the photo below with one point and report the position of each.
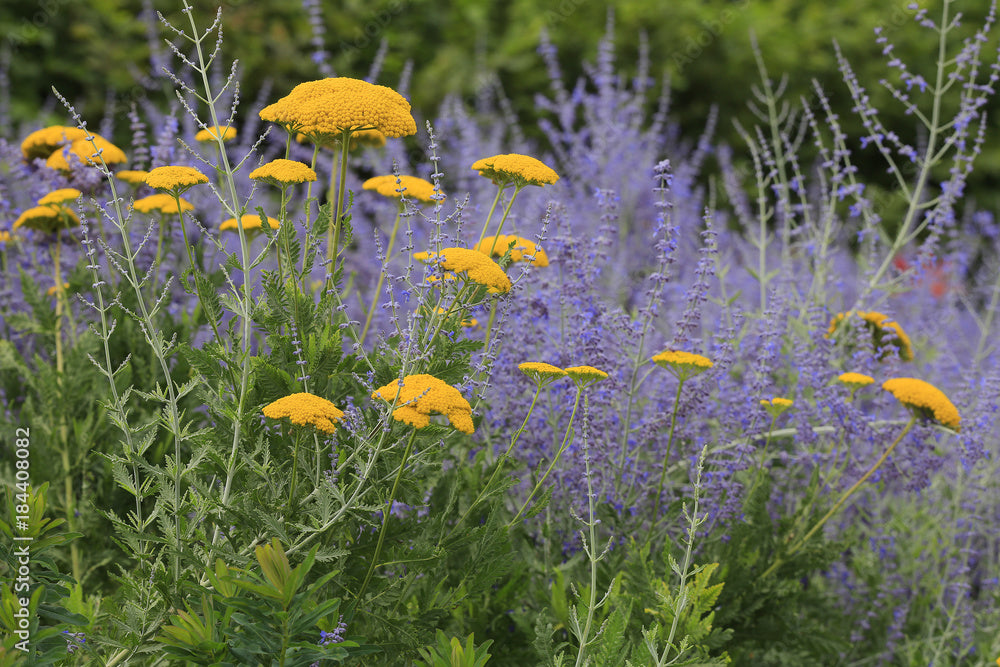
(96, 51)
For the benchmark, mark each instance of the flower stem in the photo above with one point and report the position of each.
(666, 456)
(381, 275)
(840, 501)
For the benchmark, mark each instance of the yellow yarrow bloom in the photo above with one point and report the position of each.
(332, 106)
(517, 169)
(477, 266)
(521, 249)
(683, 365)
(59, 196)
(282, 172)
(160, 203)
(856, 379)
(250, 222)
(175, 178)
(885, 332)
(306, 409)
(41, 143)
(541, 372)
(925, 400)
(213, 132)
(776, 406)
(5, 237)
(411, 186)
(49, 218)
(83, 149)
(584, 375)
(132, 176)
(423, 395)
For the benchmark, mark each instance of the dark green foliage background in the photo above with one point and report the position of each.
(704, 46)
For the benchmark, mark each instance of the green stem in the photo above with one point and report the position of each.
(840, 501)
(666, 457)
(385, 518)
(381, 275)
(486, 224)
(555, 459)
(333, 233)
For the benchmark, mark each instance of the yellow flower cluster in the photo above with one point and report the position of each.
(282, 172)
(683, 365)
(925, 399)
(336, 105)
(885, 332)
(856, 380)
(539, 369)
(43, 142)
(83, 149)
(522, 250)
(49, 218)
(174, 177)
(250, 222)
(59, 196)
(777, 402)
(132, 176)
(212, 133)
(306, 409)
(161, 203)
(423, 395)
(585, 374)
(479, 268)
(412, 186)
(517, 169)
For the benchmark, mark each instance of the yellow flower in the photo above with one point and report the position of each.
(423, 395)
(41, 143)
(5, 237)
(478, 267)
(584, 375)
(282, 172)
(327, 107)
(413, 187)
(59, 196)
(306, 409)
(83, 149)
(213, 132)
(251, 222)
(517, 169)
(50, 218)
(541, 372)
(522, 250)
(174, 178)
(161, 203)
(924, 399)
(885, 332)
(856, 380)
(55, 288)
(683, 365)
(132, 176)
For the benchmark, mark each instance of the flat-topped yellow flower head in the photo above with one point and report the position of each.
(250, 223)
(282, 172)
(585, 375)
(515, 168)
(541, 372)
(59, 196)
(84, 151)
(175, 179)
(521, 249)
(49, 218)
(410, 186)
(776, 406)
(925, 400)
(885, 331)
(855, 381)
(132, 176)
(682, 365)
(305, 409)
(328, 107)
(213, 132)
(422, 395)
(160, 203)
(478, 267)
(42, 143)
